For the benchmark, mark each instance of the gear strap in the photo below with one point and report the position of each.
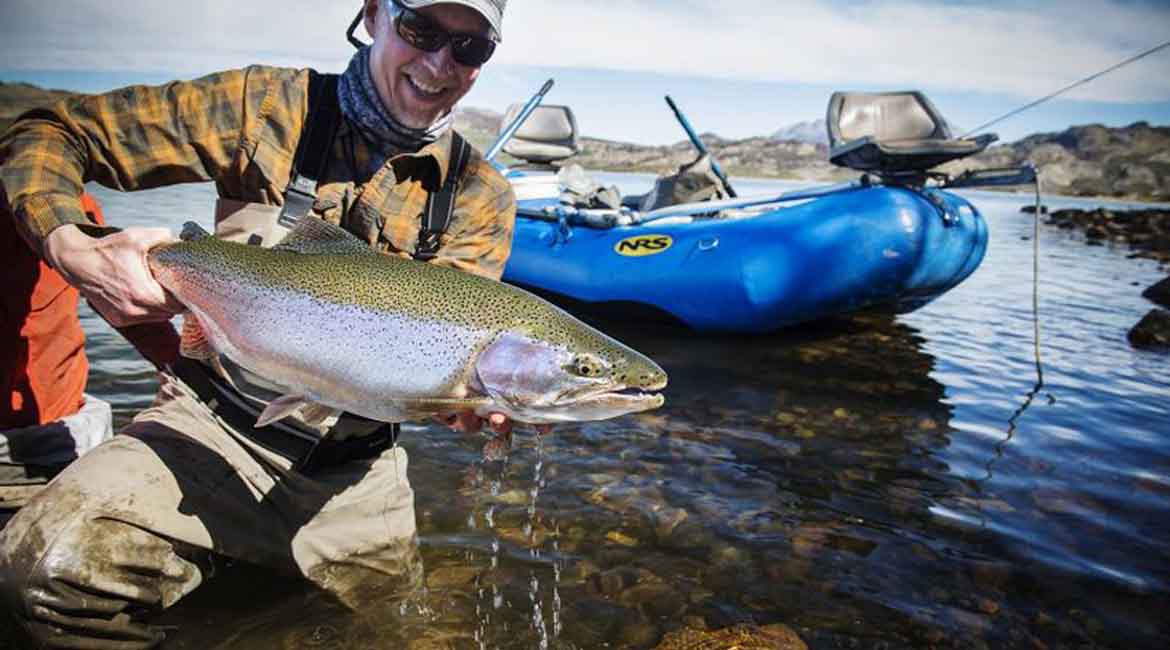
(313, 148)
(441, 204)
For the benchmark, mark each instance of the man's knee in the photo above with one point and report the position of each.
(90, 584)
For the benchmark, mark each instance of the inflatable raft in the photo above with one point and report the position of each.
(894, 239)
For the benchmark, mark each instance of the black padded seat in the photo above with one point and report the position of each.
(548, 135)
(893, 132)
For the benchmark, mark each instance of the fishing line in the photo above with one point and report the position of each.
(1013, 421)
(1068, 88)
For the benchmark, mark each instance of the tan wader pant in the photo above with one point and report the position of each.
(126, 530)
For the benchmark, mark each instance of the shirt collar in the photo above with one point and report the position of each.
(435, 155)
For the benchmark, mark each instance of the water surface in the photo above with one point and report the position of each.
(875, 482)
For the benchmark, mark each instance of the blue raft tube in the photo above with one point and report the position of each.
(893, 239)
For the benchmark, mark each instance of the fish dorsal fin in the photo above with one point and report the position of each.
(313, 236)
(193, 232)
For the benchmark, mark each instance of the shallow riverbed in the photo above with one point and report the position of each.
(876, 482)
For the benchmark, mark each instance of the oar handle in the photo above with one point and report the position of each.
(516, 123)
(686, 125)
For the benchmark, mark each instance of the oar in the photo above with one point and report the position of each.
(699, 145)
(508, 131)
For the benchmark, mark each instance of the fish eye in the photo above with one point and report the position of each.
(586, 365)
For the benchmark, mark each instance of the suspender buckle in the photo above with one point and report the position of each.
(428, 244)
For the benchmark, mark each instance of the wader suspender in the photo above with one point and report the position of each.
(441, 204)
(313, 150)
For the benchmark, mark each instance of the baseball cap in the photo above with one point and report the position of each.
(491, 10)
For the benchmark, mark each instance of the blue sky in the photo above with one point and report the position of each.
(737, 67)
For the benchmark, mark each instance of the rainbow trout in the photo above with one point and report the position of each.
(341, 327)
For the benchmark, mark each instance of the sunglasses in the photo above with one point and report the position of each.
(424, 34)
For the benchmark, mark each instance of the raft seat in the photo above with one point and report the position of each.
(893, 132)
(548, 136)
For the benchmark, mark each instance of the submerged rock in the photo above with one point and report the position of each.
(1152, 331)
(739, 637)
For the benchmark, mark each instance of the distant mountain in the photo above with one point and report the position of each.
(811, 132)
(1131, 162)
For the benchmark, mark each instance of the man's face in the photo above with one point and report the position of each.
(419, 87)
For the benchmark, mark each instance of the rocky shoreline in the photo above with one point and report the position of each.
(1147, 233)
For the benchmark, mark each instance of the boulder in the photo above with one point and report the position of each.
(1159, 292)
(1152, 331)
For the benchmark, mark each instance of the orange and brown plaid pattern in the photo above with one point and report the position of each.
(239, 129)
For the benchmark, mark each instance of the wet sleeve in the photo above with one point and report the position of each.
(128, 139)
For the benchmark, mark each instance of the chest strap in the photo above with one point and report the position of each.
(312, 156)
(313, 148)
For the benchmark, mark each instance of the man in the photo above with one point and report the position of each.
(130, 527)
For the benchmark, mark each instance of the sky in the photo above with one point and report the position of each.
(737, 68)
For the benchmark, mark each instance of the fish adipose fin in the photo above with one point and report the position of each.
(313, 236)
(312, 412)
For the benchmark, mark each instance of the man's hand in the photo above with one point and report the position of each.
(112, 272)
(469, 422)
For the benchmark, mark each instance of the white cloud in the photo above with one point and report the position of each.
(1023, 50)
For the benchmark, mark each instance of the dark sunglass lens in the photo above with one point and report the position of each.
(419, 31)
(472, 50)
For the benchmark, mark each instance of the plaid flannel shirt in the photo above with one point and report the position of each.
(240, 129)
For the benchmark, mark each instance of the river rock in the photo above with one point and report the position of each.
(1159, 292)
(638, 634)
(450, 577)
(612, 583)
(1145, 230)
(1152, 331)
(740, 637)
(666, 519)
(655, 599)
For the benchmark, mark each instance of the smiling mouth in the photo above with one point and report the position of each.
(423, 89)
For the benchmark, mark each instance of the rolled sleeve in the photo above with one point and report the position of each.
(127, 139)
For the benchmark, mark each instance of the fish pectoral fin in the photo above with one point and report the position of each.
(282, 407)
(193, 342)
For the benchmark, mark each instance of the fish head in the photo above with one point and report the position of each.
(581, 377)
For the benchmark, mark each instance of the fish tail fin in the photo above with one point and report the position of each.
(193, 232)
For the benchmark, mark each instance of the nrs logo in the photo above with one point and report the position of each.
(642, 245)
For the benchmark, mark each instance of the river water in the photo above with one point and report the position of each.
(876, 482)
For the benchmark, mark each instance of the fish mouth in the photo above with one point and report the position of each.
(613, 394)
